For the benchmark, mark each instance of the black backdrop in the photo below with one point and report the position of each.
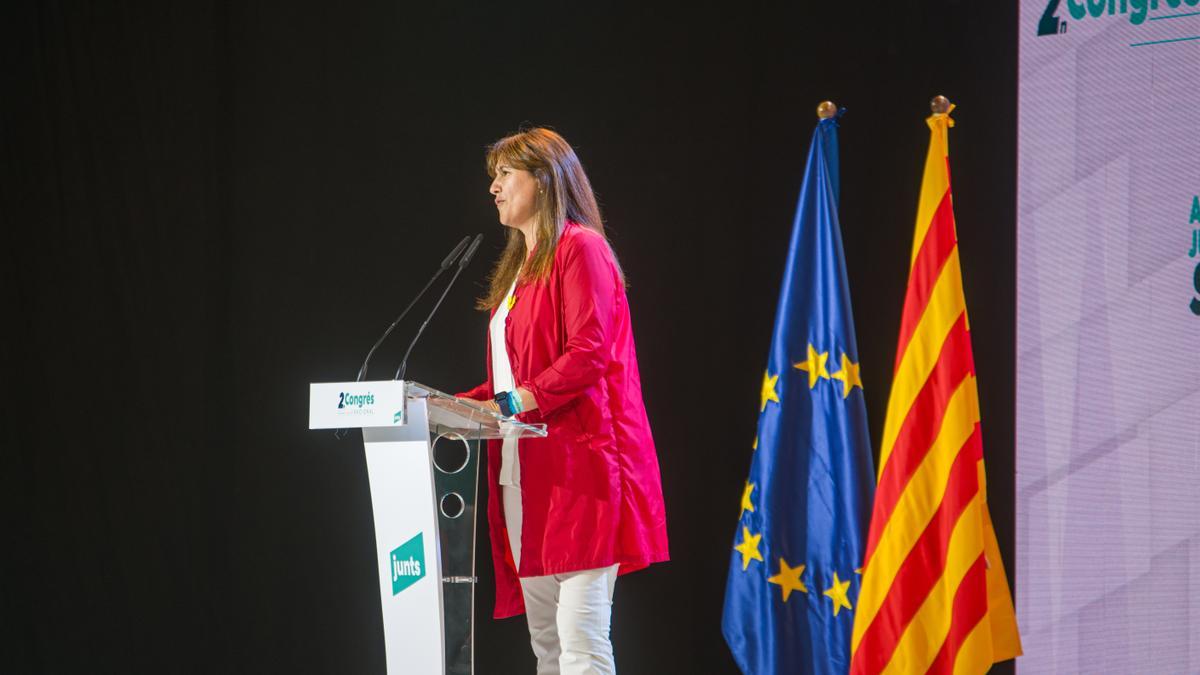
(207, 207)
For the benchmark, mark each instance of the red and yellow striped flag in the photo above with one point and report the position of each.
(934, 596)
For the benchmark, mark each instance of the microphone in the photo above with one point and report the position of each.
(462, 263)
(362, 372)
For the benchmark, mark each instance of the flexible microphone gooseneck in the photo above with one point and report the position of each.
(462, 263)
(362, 372)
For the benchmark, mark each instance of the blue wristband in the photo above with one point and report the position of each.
(509, 402)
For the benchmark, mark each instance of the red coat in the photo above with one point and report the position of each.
(591, 491)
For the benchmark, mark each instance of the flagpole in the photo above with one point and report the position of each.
(826, 109)
(940, 105)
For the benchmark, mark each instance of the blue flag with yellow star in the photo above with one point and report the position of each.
(798, 547)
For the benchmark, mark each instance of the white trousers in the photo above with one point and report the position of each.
(569, 614)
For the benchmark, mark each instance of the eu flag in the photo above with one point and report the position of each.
(798, 548)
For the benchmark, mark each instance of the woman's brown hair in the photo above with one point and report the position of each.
(564, 194)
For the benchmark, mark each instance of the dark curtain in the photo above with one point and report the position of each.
(116, 261)
(206, 206)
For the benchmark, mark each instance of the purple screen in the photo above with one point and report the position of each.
(1108, 337)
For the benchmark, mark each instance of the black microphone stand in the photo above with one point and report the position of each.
(462, 263)
(362, 371)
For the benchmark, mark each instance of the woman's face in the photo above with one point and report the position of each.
(516, 195)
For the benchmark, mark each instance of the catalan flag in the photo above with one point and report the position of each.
(934, 595)
(792, 584)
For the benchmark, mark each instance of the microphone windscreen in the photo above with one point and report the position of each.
(471, 251)
(454, 254)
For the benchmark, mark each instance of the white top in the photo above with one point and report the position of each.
(502, 379)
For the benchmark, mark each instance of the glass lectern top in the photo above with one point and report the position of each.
(468, 418)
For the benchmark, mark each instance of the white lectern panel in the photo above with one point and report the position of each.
(406, 543)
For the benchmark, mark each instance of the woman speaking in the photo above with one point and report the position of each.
(570, 512)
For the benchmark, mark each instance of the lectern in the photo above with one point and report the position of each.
(422, 448)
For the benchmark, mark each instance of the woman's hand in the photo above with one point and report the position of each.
(487, 404)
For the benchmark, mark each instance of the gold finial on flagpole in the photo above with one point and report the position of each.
(940, 105)
(826, 110)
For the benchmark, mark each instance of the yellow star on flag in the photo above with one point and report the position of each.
(749, 547)
(837, 593)
(788, 579)
(814, 364)
(747, 505)
(849, 375)
(768, 389)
